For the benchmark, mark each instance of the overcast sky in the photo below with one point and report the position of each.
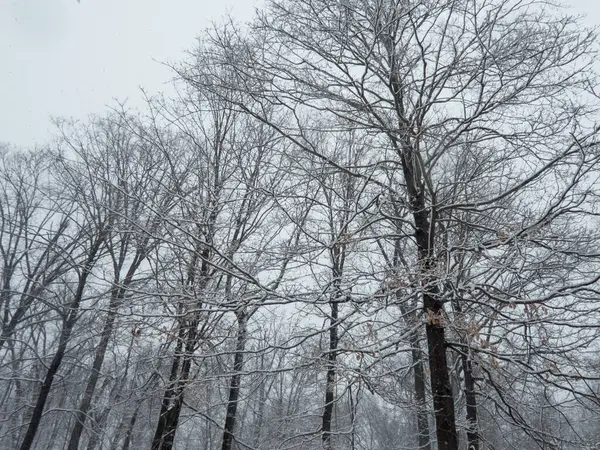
(64, 58)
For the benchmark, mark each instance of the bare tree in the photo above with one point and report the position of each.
(35, 247)
(91, 250)
(122, 156)
(224, 231)
(357, 224)
(432, 79)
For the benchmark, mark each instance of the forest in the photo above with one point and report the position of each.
(356, 225)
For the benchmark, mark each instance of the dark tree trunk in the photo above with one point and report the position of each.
(471, 400)
(127, 424)
(99, 417)
(470, 396)
(422, 204)
(16, 418)
(187, 341)
(127, 441)
(331, 369)
(260, 412)
(117, 295)
(423, 433)
(443, 399)
(425, 221)
(65, 335)
(97, 423)
(47, 385)
(234, 384)
(353, 410)
(338, 257)
(173, 398)
(84, 408)
(424, 440)
(124, 428)
(168, 420)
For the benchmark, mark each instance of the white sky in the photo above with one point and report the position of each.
(64, 58)
(70, 59)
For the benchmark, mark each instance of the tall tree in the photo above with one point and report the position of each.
(139, 185)
(431, 78)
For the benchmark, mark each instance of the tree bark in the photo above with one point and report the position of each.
(423, 440)
(234, 384)
(259, 417)
(423, 433)
(471, 400)
(470, 396)
(338, 256)
(331, 372)
(47, 385)
(443, 399)
(424, 220)
(84, 408)
(117, 295)
(65, 335)
(127, 441)
(172, 403)
(187, 340)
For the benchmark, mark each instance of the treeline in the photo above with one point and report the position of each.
(360, 224)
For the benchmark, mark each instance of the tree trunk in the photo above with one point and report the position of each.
(424, 214)
(127, 441)
(81, 415)
(117, 295)
(423, 433)
(187, 341)
(470, 397)
(96, 424)
(47, 385)
(331, 369)
(471, 400)
(260, 412)
(98, 418)
(443, 399)
(16, 420)
(353, 411)
(127, 423)
(234, 385)
(65, 335)
(424, 440)
(173, 398)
